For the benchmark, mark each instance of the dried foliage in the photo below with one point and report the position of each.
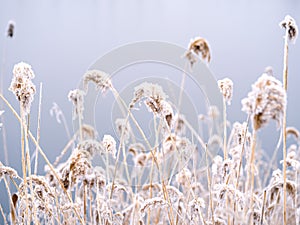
(179, 180)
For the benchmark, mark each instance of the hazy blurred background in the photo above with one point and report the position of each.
(61, 39)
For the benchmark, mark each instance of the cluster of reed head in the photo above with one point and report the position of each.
(140, 182)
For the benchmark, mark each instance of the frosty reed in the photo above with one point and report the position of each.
(139, 182)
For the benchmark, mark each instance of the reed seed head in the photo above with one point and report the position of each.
(56, 111)
(269, 71)
(22, 86)
(77, 98)
(184, 177)
(151, 203)
(153, 95)
(213, 112)
(292, 131)
(10, 31)
(99, 78)
(109, 145)
(226, 88)
(266, 101)
(88, 132)
(123, 129)
(289, 24)
(91, 146)
(198, 46)
(179, 124)
(6, 170)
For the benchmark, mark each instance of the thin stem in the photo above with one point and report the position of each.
(4, 139)
(150, 190)
(263, 208)
(152, 167)
(44, 156)
(209, 183)
(2, 213)
(117, 159)
(90, 207)
(3, 130)
(107, 166)
(274, 156)
(65, 126)
(84, 202)
(125, 163)
(225, 129)
(65, 149)
(26, 128)
(10, 200)
(57, 207)
(139, 129)
(296, 198)
(242, 153)
(251, 178)
(38, 130)
(23, 159)
(195, 133)
(129, 114)
(285, 77)
(80, 123)
(182, 86)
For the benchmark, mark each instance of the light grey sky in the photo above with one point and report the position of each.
(61, 39)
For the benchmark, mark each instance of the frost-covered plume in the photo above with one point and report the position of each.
(6, 170)
(109, 145)
(155, 100)
(181, 146)
(221, 169)
(88, 132)
(123, 129)
(213, 112)
(195, 207)
(290, 25)
(167, 114)
(179, 124)
(91, 146)
(77, 98)
(77, 167)
(153, 95)
(240, 134)
(266, 101)
(184, 177)
(240, 141)
(292, 131)
(22, 86)
(152, 203)
(292, 158)
(101, 79)
(198, 46)
(226, 88)
(56, 111)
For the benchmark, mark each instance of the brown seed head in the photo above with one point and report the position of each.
(289, 24)
(198, 46)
